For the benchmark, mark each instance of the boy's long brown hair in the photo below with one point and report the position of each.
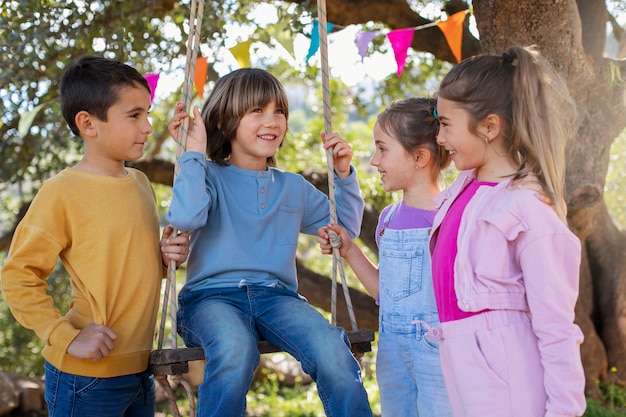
(233, 95)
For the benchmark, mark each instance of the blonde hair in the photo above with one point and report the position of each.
(534, 104)
(233, 95)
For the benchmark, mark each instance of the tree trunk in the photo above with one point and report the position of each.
(317, 289)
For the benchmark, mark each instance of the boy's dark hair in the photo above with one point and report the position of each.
(233, 95)
(92, 84)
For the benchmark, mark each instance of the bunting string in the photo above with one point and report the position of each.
(400, 40)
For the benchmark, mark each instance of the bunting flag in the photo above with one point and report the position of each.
(452, 29)
(400, 40)
(363, 39)
(315, 38)
(315, 41)
(241, 52)
(199, 76)
(280, 31)
(153, 80)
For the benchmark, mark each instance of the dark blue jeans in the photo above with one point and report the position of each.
(70, 395)
(228, 323)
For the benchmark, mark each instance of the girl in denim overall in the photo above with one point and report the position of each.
(408, 160)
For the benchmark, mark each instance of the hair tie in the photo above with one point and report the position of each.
(508, 58)
(435, 115)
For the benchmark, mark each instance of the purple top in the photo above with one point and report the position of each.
(405, 217)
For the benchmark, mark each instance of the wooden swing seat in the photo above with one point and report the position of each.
(176, 361)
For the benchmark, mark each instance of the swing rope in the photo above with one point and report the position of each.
(169, 297)
(190, 68)
(334, 239)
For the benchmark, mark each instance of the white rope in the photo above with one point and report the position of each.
(337, 264)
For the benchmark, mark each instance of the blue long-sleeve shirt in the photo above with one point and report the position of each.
(246, 223)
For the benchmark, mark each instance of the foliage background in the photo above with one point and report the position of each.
(39, 38)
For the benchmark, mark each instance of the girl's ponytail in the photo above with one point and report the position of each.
(542, 110)
(534, 104)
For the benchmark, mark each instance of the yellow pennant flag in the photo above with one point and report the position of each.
(280, 32)
(241, 52)
(452, 29)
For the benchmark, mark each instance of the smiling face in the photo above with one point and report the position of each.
(397, 168)
(467, 149)
(481, 148)
(259, 134)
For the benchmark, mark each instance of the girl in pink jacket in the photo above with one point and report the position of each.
(505, 265)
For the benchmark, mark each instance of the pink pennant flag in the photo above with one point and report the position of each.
(363, 39)
(153, 80)
(400, 40)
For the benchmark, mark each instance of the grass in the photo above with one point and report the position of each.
(269, 397)
(613, 402)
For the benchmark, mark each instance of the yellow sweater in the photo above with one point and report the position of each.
(105, 230)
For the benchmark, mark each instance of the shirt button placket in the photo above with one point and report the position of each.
(261, 181)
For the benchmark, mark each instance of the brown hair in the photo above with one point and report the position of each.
(413, 123)
(533, 102)
(233, 95)
(93, 84)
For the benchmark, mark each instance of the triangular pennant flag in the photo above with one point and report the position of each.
(199, 76)
(315, 41)
(315, 38)
(153, 80)
(400, 40)
(280, 31)
(241, 52)
(452, 29)
(363, 39)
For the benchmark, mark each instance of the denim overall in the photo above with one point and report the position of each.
(407, 365)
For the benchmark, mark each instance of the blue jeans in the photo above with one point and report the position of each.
(408, 368)
(69, 395)
(228, 323)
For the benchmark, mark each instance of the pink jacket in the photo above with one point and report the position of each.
(515, 253)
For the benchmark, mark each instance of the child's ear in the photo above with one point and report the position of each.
(84, 122)
(493, 126)
(422, 157)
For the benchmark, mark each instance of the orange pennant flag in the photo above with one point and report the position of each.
(452, 29)
(199, 77)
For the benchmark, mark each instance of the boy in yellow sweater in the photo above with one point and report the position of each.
(100, 218)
